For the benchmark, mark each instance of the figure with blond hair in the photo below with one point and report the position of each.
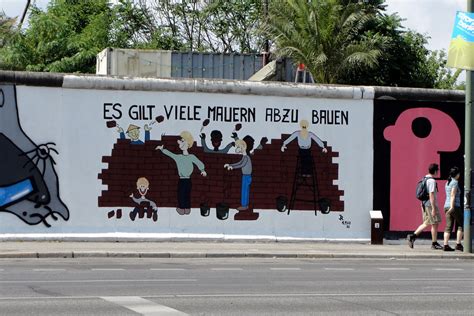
(305, 138)
(185, 163)
(246, 165)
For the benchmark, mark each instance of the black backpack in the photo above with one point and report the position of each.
(422, 191)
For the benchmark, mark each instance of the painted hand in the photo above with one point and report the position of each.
(283, 148)
(160, 147)
(119, 129)
(202, 135)
(325, 150)
(131, 195)
(204, 173)
(226, 166)
(147, 127)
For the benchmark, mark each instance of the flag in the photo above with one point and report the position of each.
(461, 49)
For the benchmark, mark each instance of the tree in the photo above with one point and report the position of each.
(327, 36)
(69, 34)
(7, 28)
(445, 78)
(206, 25)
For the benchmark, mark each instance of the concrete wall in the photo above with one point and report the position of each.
(66, 170)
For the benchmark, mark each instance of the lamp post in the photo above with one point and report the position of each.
(468, 152)
(266, 53)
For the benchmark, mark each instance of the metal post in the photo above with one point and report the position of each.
(468, 152)
(266, 53)
(27, 6)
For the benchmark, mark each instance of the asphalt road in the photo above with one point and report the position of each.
(118, 286)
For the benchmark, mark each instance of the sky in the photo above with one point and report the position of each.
(434, 18)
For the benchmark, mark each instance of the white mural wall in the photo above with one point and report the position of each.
(90, 162)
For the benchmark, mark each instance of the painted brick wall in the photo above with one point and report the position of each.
(273, 175)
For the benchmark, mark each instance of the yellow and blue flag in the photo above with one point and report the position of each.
(461, 49)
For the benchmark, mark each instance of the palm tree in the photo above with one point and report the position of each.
(325, 35)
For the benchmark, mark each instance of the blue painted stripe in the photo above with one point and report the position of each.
(15, 192)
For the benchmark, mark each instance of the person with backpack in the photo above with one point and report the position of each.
(427, 193)
(453, 210)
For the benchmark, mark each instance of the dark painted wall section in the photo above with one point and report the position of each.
(386, 113)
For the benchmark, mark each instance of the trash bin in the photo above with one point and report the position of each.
(376, 228)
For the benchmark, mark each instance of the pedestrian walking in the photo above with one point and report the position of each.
(431, 214)
(453, 210)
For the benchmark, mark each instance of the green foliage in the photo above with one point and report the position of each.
(355, 42)
(340, 41)
(206, 25)
(7, 29)
(445, 78)
(327, 36)
(69, 34)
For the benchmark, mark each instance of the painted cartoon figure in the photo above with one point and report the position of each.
(29, 186)
(246, 165)
(216, 141)
(185, 163)
(133, 132)
(143, 185)
(305, 138)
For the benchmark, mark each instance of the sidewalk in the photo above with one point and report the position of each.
(198, 249)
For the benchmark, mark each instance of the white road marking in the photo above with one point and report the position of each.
(372, 294)
(226, 269)
(394, 269)
(98, 281)
(339, 269)
(48, 270)
(432, 279)
(107, 269)
(142, 306)
(448, 269)
(167, 269)
(285, 269)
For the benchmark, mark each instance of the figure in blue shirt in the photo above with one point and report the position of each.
(133, 132)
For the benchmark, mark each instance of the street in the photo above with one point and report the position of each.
(125, 286)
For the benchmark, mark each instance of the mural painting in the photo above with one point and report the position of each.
(28, 181)
(174, 163)
(408, 137)
(281, 176)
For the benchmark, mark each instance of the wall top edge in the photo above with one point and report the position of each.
(282, 89)
(418, 94)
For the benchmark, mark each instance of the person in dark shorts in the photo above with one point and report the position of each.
(453, 210)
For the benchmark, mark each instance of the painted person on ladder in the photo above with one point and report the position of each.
(305, 138)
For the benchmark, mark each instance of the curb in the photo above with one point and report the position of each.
(174, 255)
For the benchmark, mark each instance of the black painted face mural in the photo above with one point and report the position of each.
(28, 182)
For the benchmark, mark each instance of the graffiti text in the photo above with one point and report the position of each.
(281, 116)
(330, 117)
